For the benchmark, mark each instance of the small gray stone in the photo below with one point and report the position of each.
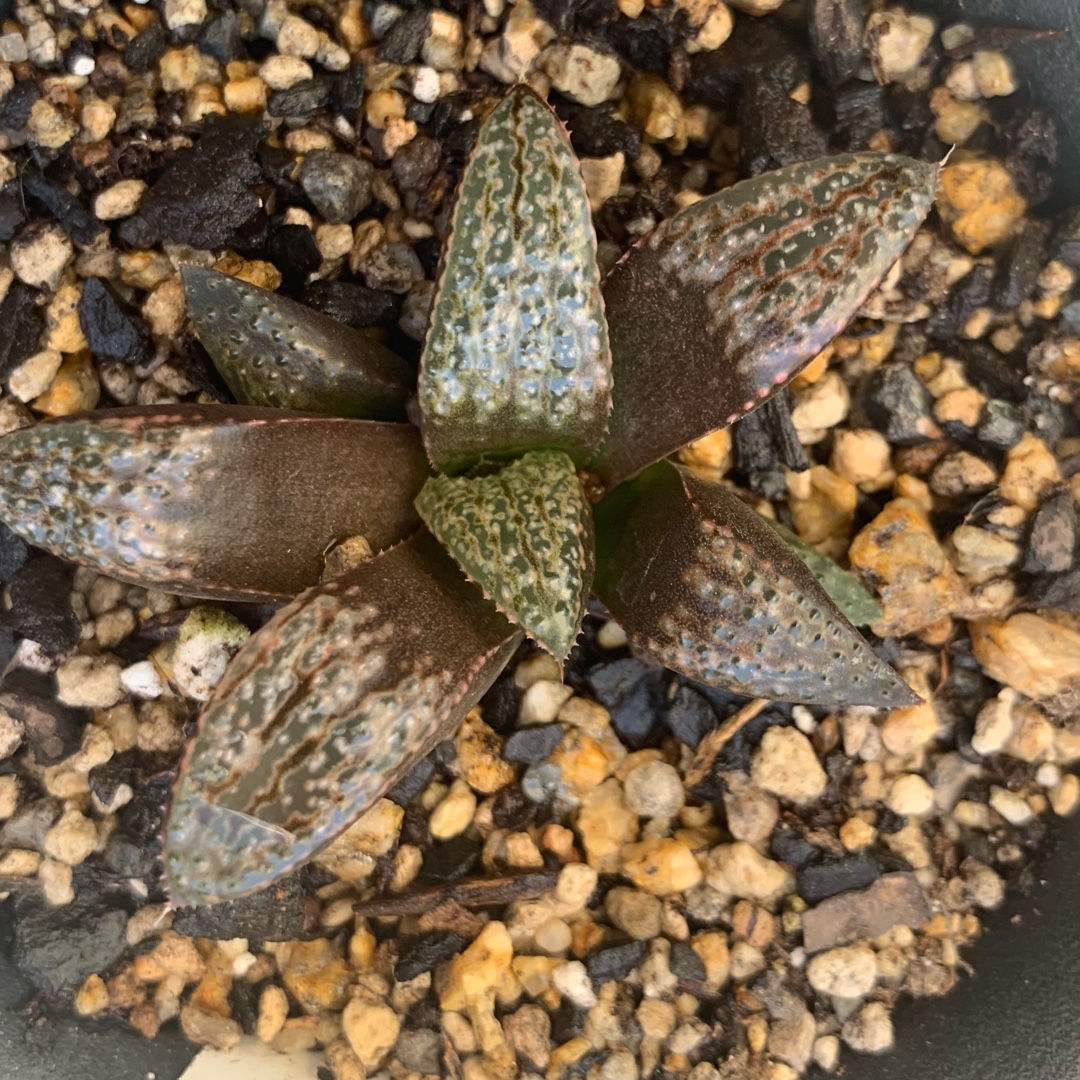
(420, 1051)
(893, 900)
(792, 1041)
(395, 267)
(416, 309)
(654, 790)
(634, 912)
(1002, 425)
(870, 1030)
(528, 1031)
(780, 1001)
(1053, 536)
(541, 782)
(58, 948)
(28, 827)
(13, 48)
(338, 185)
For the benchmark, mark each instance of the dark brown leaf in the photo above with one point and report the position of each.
(723, 304)
(696, 579)
(220, 502)
(323, 709)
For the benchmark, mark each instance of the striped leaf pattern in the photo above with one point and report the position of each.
(212, 501)
(516, 356)
(724, 303)
(695, 578)
(321, 711)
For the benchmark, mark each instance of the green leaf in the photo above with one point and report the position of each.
(723, 304)
(695, 578)
(273, 351)
(524, 535)
(516, 356)
(327, 706)
(844, 588)
(212, 501)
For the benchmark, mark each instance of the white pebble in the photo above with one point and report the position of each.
(71, 839)
(542, 701)
(1065, 798)
(33, 376)
(654, 790)
(910, 796)
(611, 636)
(804, 719)
(581, 73)
(1048, 775)
(11, 734)
(41, 44)
(9, 796)
(297, 37)
(870, 1030)
(180, 13)
(454, 814)
(119, 201)
(39, 254)
(827, 1052)
(91, 682)
(785, 765)
(994, 74)
(331, 55)
(540, 665)
(209, 638)
(426, 84)
(553, 937)
(1012, 807)
(575, 885)
(283, 72)
(901, 49)
(142, 680)
(13, 48)
(984, 885)
(55, 878)
(849, 972)
(572, 981)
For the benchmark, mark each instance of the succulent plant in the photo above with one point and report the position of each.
(548, 402)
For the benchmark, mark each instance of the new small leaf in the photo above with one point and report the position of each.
(524, 534)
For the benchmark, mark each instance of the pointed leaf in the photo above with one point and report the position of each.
(721, 305)
(323, 709)
(273, 351)
(694, 577)
(843, 587)
(524, 535)
(516, 356)
(213, 501)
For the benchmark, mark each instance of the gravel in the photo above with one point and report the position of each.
(819, 865)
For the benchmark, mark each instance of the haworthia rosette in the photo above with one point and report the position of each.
(323, 709)
(211, 501)
(724, 303)
(275, 352)
(524, 535)
(516, 356)
(858, 606)
(695, 578)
